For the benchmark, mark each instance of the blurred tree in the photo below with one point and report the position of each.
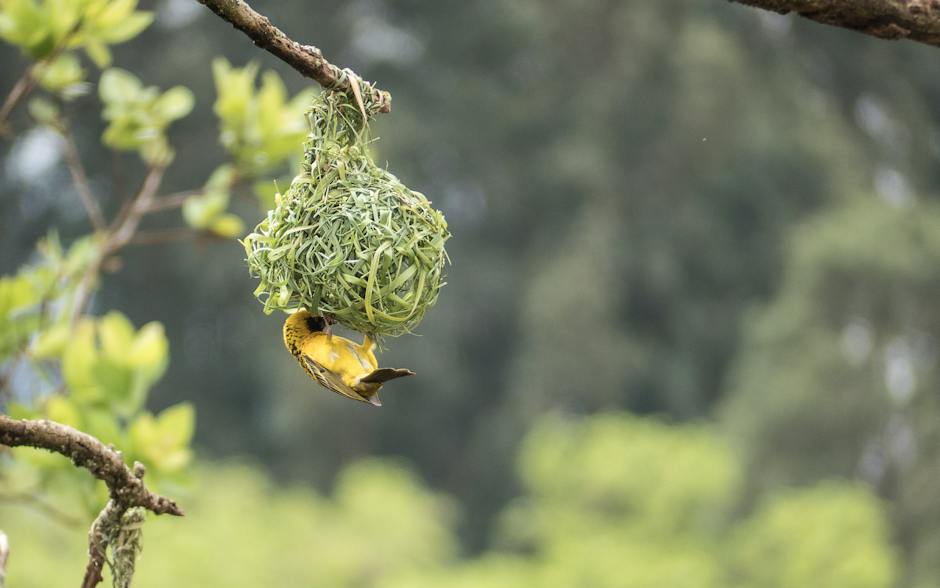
(836, 372)
(793, 538)
(660, 512)
(242, 531)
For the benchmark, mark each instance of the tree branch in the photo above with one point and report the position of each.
(176, 200)
(80, 179)
(160, 236)
(23, 86)
(120, 233)
(126, 487)
(30, 78)
(918, 20)
(34, 500)
(126, 225)
(306, 59)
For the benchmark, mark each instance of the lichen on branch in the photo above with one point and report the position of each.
(125, 485)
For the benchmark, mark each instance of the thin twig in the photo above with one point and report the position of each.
(120, 233)
(125, 230)
(80, 179)
(30, 78)
(35, 501)
(23, 86)
(306, 59)
(159, 236)
(171, 201)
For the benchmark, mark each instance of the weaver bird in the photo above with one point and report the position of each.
(336, 363)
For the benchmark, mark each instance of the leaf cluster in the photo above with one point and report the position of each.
(41, 28)
(139, 115)
(260, 128)
(107, 367)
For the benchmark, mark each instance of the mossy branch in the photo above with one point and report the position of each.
(306, 59)
(918, 20)
(125, 485)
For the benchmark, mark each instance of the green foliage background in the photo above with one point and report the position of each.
(693, 210)
(660, 517)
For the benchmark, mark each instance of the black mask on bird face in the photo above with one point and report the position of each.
(315, 323)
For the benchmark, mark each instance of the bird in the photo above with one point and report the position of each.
(337, 363)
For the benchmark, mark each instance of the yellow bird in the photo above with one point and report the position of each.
(335, 362)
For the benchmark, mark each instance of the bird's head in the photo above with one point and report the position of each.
(304, 321)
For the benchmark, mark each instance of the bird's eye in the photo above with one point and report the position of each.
(315, 323)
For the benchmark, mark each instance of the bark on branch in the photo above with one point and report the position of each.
(918, 20)
(125, 486)
(306, 59)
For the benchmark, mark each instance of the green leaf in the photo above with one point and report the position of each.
(117, 86)
(174, 103)
(149, 351)
(100, 423)
(177, 424)
(21, 411)
(51, 342)
(221, 179)
(99, 53)
(261, 129)
(62, 410)
(79, 361)
(228, 226)
(82, 252)
(109, 364)
(139, 116)
(115, 382)
(116, 334)
(162, 443)
(43, 111)
(64, 76)
(127, 28)
(201, 211)
(40, 27)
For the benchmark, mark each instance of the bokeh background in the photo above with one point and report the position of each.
(689, 336)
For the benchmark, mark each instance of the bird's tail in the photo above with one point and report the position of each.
(385, 374)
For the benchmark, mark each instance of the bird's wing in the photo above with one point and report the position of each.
(329, 380)
(385, 374)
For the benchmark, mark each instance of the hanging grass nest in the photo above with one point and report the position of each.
(348, 239)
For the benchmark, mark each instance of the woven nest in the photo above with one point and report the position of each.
(348, 240)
